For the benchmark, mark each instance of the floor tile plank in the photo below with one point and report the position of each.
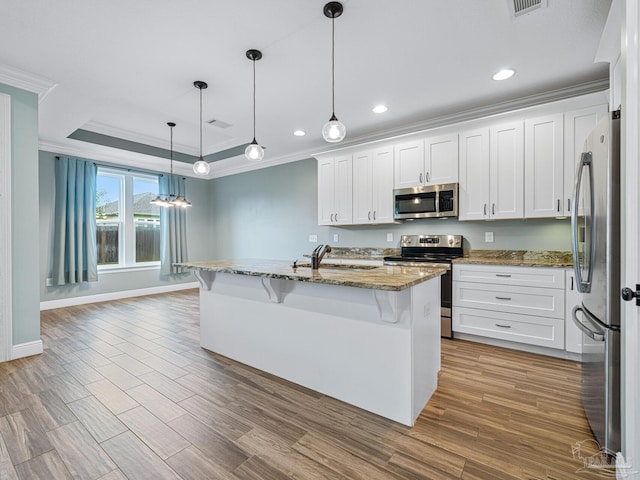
(99, 421)
(47, 466)
(82, 455)
(23, 436)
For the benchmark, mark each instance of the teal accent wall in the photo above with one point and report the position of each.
(198, 231)
(24, 215)
(270, 213)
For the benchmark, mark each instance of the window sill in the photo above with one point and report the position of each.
(128, 268)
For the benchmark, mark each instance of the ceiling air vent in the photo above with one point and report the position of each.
(522, 7)
(219, 123)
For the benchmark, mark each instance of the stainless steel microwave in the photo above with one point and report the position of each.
(429, 201)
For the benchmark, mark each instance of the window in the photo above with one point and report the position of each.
(128, 226)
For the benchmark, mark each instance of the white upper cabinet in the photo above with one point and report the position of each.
(506, 165)
(373, 186)
(474, 175)
(335, 189)
(441, 159)
(543, 166)
(491, 172)
(429, 161)
(577, 126)
(409, 164)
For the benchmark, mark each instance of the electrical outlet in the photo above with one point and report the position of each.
(488, 237)
(48, 282)
(313, 238)
(389, 237)
(336, 238)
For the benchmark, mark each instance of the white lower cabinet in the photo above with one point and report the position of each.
(519, 304)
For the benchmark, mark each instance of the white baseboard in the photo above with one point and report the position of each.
(523, 347)
(26, 349)
(105, 297)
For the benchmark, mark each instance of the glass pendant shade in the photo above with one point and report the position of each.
(201, 167)
(170, 199)
(334, 130)
(254, 152)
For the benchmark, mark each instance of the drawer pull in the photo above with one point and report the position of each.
(503, 298)
(503, 275)
(503, 326)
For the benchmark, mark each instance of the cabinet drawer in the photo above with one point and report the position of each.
(544, 302)
(542, 331)
(507, 275)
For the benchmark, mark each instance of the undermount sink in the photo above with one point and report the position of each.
(339, 266)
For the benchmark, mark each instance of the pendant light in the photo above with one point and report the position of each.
(201, 167)
(171, 199)
(334, 130)
(254, 152)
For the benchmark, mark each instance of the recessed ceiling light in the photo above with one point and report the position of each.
(504, 74)
(299, 133)
(380, 109)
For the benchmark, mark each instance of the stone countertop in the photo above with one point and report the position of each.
(518, 258)
(391, 278)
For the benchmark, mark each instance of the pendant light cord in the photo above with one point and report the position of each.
(200, 122)
(171, 163)
(254, 100)
(333, 68)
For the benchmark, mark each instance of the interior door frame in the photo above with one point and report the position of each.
(6, 340)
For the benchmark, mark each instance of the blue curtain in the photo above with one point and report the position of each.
(173, 227)
(75, 256)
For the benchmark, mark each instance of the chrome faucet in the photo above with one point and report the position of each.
(318, 254)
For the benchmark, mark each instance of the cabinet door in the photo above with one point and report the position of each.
(382, 189)
(326, 190)
(506, 165)
(362, 187)
(441, 159)
(474, 175)
(409, 164)
(343, 180)
(577, 126)
(543, 167)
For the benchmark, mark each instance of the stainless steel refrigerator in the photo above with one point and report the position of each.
(595, 225)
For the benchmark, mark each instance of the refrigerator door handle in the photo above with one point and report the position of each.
(597, 336)
(583, 285)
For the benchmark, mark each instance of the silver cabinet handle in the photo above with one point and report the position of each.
(503, 298)
(485, 209)
(331, 218)
(572, 282)
(369, 215)
(503, 326)
(568, 204)
(558, 205)
(505, 275)
(420, 177)
(428, 176)
(374, 214)
(493, 209)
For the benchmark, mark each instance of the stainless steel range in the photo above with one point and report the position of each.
(435, 251)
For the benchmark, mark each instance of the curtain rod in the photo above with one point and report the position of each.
(126, 169)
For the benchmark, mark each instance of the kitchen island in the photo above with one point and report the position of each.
(369, 336)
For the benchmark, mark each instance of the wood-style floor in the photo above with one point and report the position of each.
(123, 390)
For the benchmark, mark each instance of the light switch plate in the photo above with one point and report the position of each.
(389, 237)
(313, 238)
(336, 238)
(488, 237)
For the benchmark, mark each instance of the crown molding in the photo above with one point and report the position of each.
(121, 133)
(27, 81)
(124, 158)
(484, 112)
